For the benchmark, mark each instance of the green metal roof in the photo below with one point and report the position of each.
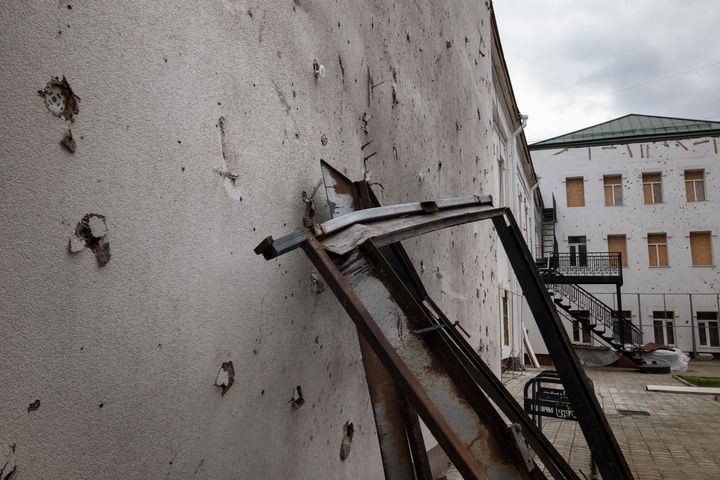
(630, 129)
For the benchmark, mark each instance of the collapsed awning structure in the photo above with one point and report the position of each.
(417, 361)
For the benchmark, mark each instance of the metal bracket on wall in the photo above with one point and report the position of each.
(436, 373)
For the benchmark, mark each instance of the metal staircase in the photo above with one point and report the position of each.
(562, 274)
(549, 246)
(593, 315)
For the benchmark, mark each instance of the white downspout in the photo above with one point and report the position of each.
(512, 170)
(513, 202)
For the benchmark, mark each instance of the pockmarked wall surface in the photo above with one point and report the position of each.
(148, 147)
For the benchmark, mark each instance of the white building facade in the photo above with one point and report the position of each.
(648, 187)
(516, 187)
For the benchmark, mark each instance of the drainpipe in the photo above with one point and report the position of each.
(512, 193)
(512, 170)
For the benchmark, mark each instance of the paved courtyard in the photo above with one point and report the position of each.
(679, 439)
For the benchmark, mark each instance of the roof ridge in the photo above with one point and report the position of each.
(635, 127)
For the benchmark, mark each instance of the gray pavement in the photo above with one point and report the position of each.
(679, 439)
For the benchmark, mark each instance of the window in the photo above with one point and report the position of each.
(613, 190)
(708, 330)
(506, 319)
(575, 190)
(701, 248)
(501, 182)
(657, 249)
(695, 185)
(627, 315)
(663, 327)
(652, 187)
(578, 251)
(618, 244)
(581, 335)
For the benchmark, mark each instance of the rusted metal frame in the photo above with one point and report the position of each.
(403, 377)
(394, 229)
(496, 391)
(599, 436)
(398, 452)
(398, 260)
(416, 442)
(450, 210)
(468, 370)
(443, 350)
(395, 253)
(378, 213)
(402, 446)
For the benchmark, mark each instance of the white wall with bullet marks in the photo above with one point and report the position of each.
(162, 347)
(646, 288)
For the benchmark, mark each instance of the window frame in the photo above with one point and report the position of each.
(614, 188)
(705, 329)
(666, 321)
(651, 185)
(581, 336)
(578, 250)
(657, 247)
(691, 185)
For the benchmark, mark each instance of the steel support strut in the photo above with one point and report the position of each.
(599, 436)
(402, 447)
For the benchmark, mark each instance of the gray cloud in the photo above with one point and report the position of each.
(568, 59)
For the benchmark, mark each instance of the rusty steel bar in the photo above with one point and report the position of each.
(416, 442)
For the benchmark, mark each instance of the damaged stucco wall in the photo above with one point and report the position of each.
(138, 330)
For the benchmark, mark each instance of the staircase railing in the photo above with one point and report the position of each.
(600, 314)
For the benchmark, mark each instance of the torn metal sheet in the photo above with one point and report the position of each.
(390, 230)
(441, 214)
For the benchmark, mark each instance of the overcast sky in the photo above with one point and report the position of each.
(572, 62)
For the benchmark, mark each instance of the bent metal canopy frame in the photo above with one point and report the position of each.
(416, 360)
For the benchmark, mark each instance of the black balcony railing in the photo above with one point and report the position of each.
(590, 264)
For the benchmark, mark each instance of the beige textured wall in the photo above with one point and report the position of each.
(123, 358)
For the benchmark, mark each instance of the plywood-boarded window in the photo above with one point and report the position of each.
(657, 250)
(613, 190)
(575, 190)
(695, 185)
(652, 187)
(701, 248)
(618, 244)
